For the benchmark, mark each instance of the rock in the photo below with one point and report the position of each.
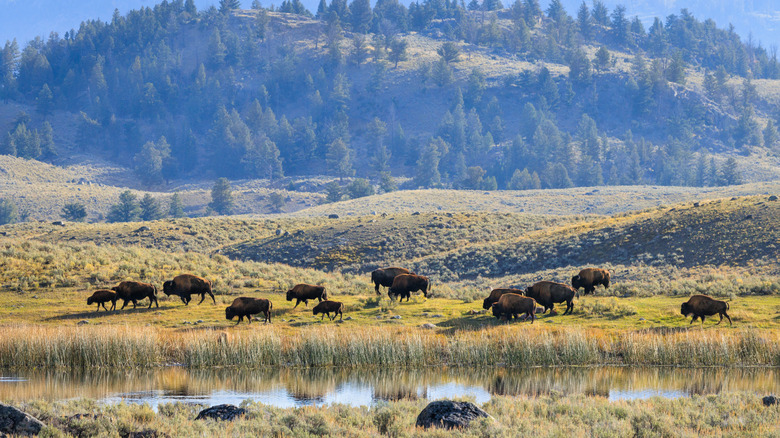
(773, 198)
(144, 228)
(428, 326)
(437, 316)
(395, 317)
(146, 433)
(770, 400)
(349, 318)
(416, 213)
(200, 321)
(641, 319)
(449, 414)
(82, 322)
(59, 223)
(221, 412)
(696, 204)
(16, 423)
(333, 216)
(278, 231)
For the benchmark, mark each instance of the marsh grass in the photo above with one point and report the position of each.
(336, 346)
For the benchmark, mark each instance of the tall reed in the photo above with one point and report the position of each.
(85, 347)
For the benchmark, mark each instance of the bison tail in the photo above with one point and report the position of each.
(155, 290)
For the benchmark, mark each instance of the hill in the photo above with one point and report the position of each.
(511, 98)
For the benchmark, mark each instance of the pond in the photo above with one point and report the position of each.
(291, 387)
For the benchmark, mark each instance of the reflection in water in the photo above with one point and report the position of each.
(315, 386)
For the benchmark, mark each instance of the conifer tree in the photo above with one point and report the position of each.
(150, 209)
(176, 208)
(222, 197)
(127, 210)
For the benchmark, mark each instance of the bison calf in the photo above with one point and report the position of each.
(405, 284)
(327, 307)
(135, 291)
(702, 306)
(547, 293)
(246, 306)
(305, 292)
(101, 297)
(385, 276)
(589, 278)
(510, 305)
(186, 285)
(495, 294)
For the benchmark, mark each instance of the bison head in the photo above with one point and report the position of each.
(497, 310)
(89, 301)
(685, 309)
(290, 295)
(229, 313)
(168, 287)
(324, 294)
(315, 311)
(486, 303)
(576, 282)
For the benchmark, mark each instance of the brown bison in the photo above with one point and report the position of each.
(702, 306)
(510, 305)
(327, 307)
(384, 277)
(186, 285)
(589, 278)
(405, 284)
(305, 292)
(495, 294)
(135, 291)
(246, 306)
(547, 293)
(101, 297)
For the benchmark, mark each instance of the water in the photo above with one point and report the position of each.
(300, 387)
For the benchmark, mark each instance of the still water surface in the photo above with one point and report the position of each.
(299, 387)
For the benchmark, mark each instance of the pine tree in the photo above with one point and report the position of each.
(387, 183)
(770, 135)
(8, 212)
(427, 172)
(361, 14)
(46, 136)
(150, 161)
(176, 208)
(524, 180)
(226, 6)
(584, 21)
(729, 173)
(333, 192)
(45, 101)
(221, 197)
(127, 210)
(360, 188)
(150, 209)
(398, 51)
(322, 9)
(338, 161)
(603, 59)
(74, 211)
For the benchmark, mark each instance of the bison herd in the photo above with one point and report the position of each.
(505, 304)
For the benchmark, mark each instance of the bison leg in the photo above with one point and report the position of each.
(183, 300)
(240, 318)
(376, 288)
(135, 304)
(113, 305)
(694, 319)
(125, 304)
(727, 316)
(297, 301)
(323, 315)
(202, 297)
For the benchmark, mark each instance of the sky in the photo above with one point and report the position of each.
(25, 19)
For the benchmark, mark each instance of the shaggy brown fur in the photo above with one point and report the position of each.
(246, 306)
(186, 285)
(135, 291)
(405, 284)
(101, 297)
(305, 292)
(511, 305)
(495, 294)
(327, 307)
(547, 293)
(589, 278)
(384, 277)
(702, 306)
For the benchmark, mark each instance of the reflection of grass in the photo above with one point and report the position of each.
(733, 414)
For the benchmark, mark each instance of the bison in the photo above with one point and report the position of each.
(405, 284)
(246, 306)
(384, 277)
(101, 297)
(589, 278)
(495, 294)
(510, 305)
(547, 293)
(305, 292)
(186, 285)
(135, 291)
(327, 307)
(702, 306)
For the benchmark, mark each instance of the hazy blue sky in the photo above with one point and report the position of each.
(24, 19)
